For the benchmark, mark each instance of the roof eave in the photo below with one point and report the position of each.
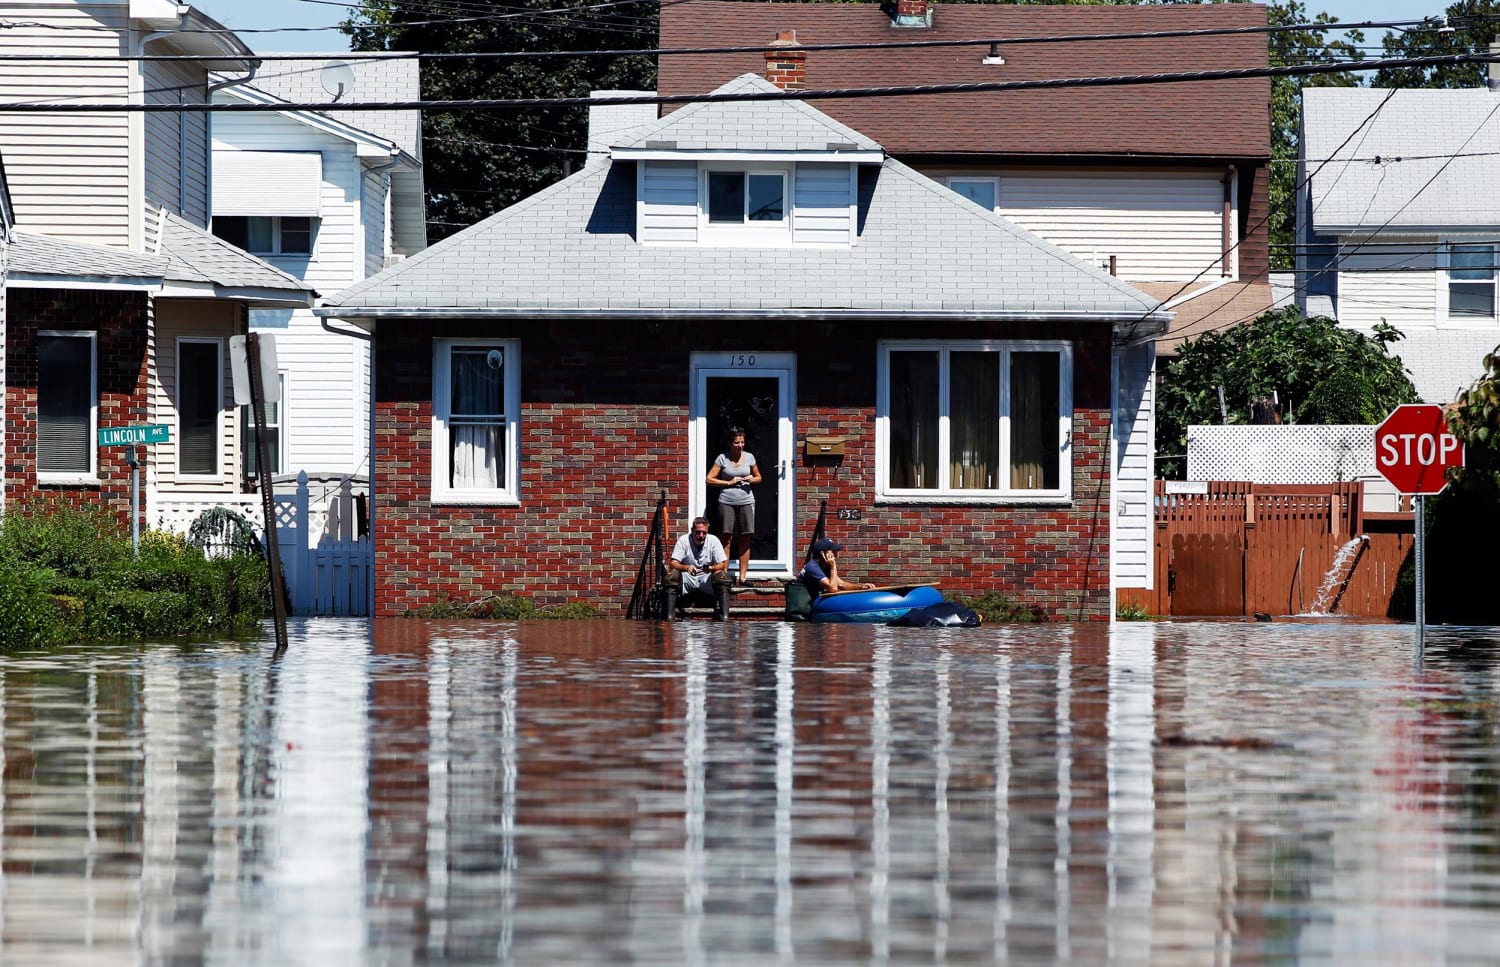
(1141, 319)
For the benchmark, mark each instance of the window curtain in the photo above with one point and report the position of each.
(974, 420)
(914, 420)
(1034, 419)
(476, 426)
(64, 409)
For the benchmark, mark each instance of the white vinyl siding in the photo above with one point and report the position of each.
(69, 174)
(326, 414)
(178, 319)
(1160, 227)
(1396, 281)
(1166, 228)
(1134, 466)
(667, 199)
(670, 206)
(176, 168)
(374, 220)
(823, 205)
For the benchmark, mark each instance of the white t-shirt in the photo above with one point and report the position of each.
(711, 553)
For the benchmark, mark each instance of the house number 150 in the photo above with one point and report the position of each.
(742, 359)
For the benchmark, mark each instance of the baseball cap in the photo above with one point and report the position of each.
(826, 544)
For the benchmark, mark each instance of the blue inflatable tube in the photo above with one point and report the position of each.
(877, 606)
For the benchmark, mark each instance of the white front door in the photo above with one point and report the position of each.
(752, 391)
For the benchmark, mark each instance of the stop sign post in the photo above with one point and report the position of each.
(1415, 451)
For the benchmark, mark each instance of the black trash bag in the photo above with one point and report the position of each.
(944, 614)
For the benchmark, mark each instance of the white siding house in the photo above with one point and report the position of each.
(112, 254)
(1399, 222)
(347, 201)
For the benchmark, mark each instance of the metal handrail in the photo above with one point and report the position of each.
(648, 599)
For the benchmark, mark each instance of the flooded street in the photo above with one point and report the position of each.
(618, 792)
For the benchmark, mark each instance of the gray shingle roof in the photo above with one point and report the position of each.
(301, 81)
(748, 125)
(193, 255)
(1415, 185)
(920, 247)
(43, 256)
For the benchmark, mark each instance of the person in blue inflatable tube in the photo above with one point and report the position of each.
(820, 575)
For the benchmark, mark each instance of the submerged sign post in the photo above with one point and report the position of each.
(1415, 451)
(132, 437)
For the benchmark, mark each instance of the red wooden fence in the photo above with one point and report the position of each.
(1242, 549)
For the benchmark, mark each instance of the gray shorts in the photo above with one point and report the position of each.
(736, 520)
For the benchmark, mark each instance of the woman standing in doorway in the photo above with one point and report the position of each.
(735, 472)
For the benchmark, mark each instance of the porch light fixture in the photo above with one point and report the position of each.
(994, 55)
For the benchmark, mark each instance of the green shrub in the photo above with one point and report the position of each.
(30, 614)
(68, 575)
(1131, 611)
(503, 608)
(74, 542)
(998, 607)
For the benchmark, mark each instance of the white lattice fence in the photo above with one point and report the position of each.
(1281, 454)
(327, 567)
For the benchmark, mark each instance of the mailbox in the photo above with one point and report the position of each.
(824, 446)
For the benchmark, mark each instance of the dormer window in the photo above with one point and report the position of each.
(740, 205)
(737, 197)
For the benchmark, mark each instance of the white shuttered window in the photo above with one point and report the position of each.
(287, 183)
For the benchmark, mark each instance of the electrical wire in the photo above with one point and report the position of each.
(908, 90)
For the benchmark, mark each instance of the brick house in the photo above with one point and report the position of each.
(542, 376)
(1165, 184)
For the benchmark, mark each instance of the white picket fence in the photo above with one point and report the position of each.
(328, 566)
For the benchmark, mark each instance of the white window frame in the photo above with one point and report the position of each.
(1446, 281)
(276, 243)
(91, 475)
(178, 435)
(953, 180)
(746, 233)
(247, 435)
(885, 493)
(508, 493)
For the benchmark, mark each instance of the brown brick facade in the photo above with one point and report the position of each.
(604, 430)
(120, 319)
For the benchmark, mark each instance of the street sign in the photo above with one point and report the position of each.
(239, 368)
(1414, 450)
(129, 436)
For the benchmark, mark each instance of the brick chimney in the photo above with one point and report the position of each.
(912, 13)
(786, 67)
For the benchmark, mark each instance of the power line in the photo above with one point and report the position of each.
(910, 90)
(699, 51)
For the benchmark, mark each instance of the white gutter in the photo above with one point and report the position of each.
(1221, 281)
(1151, 320)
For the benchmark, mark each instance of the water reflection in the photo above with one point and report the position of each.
(613, 792)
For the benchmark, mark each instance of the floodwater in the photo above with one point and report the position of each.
(631, 793)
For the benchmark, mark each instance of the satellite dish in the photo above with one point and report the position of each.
(338, 78)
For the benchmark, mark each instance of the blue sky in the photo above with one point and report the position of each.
(242, 14)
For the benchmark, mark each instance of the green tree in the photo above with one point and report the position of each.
(478, 162)
(1471, 26)
(1288, 48)
(1319, 372)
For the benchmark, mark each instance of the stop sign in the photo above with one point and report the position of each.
(1414, 450)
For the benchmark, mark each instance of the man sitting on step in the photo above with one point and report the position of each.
(699, 565)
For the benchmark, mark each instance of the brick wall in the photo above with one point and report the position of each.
(604, 428)
(120, 319)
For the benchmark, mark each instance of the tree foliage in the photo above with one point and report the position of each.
(1471, 26)
(1319, 372)
(1287, 48)
(478, 162)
